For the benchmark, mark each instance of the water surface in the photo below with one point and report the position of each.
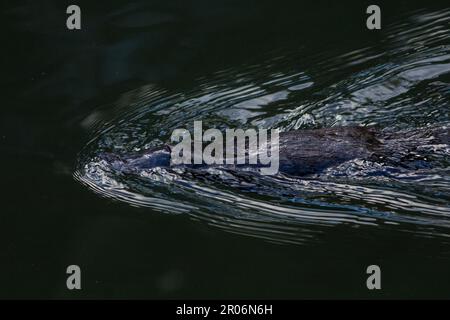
(137, 70)
(399, 84)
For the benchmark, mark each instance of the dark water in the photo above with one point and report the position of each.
(137, 71)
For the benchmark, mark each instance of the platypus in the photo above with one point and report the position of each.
(310, 151)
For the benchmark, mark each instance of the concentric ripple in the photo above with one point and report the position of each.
(400, 83)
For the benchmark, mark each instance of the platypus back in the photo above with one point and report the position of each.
(311, 151)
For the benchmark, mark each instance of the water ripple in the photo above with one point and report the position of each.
(400, 82)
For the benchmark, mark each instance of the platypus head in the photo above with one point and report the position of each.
(147, 159)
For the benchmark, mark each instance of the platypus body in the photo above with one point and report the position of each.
(305, 152)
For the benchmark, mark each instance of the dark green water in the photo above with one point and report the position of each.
(137, 71)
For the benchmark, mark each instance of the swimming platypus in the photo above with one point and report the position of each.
(305, 152)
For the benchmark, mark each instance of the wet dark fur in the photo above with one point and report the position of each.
(310, 151)
(304, 152)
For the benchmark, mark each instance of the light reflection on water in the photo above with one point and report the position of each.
(402, 83)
